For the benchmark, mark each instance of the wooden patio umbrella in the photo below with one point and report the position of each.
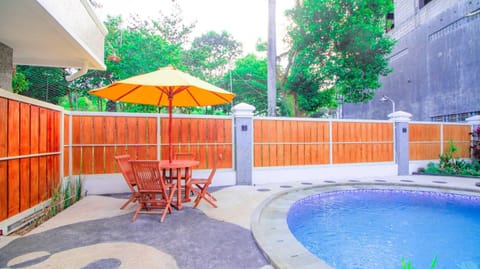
(165, 87)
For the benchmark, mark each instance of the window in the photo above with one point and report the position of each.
(390, 22)
(460, 117)
(422, 3)
(463, 116)
(452, 118)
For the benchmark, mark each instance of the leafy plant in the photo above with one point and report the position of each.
(408, 265)
(78, 188)
(62, 196)
(19, 82)
(72, 191)
(447, 160)
(450, 165)
(53, 208)
(67, 195)
(475, 146)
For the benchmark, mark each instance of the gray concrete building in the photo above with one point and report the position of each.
(436, 63)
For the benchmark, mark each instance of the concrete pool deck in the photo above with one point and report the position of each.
(95, 233)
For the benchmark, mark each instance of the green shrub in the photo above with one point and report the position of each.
(449, 165)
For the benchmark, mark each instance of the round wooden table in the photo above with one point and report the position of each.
(182, 167)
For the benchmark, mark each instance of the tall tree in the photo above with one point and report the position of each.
(139, 50)
(42, 83)
(249, 80)
(339, 47)
(212, 54)
(172, 27)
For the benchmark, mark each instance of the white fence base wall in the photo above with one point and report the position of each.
(415, 165)
(103, 184)
(325, 172)
(13, 223)
(114, 183)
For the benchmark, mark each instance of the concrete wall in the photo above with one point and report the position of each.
(6, 67)
(436, 62)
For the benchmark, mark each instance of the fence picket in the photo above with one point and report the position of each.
(3, 164)
(152, 138)
(86, 127)
(99, 133)
(110, 152)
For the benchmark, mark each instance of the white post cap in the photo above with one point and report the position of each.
(243, 110)
(400, 116)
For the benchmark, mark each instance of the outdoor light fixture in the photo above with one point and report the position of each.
(386, 98)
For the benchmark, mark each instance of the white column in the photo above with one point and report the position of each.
(243, 143)
(401, 120)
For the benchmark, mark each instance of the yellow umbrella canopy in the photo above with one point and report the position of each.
(165, 87)
(156, 87)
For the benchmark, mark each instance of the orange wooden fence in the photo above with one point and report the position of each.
(29, 155)
(95, 140)
(203, 136)
(361, 142)
(428, 140)
(98, 137)
(284, 142)
(30, 144)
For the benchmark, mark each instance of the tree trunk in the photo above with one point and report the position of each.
(111, 107)
(272, 60)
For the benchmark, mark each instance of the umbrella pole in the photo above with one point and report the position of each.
(170, 157)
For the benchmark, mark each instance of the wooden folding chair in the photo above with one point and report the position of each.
(126, 170)
(182, 155)
(155, 193)
(200, 185)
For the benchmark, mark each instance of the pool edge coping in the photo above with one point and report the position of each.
(283, 250)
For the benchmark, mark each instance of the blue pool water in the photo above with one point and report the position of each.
(376, 228)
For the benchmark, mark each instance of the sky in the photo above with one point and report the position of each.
(245, 20)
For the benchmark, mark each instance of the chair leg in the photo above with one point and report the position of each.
(135, 216)
(203, 195)
(211, 196)
(132, 199)
(168, 204)
(208, 193)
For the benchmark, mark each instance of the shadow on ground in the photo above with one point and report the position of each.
(193, 239)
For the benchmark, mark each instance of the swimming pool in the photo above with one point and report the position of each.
(375, 228)
(273, 236)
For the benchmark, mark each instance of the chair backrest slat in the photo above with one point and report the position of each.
(148, 175)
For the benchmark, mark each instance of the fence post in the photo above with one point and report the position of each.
(401, 120)
(70, 146)
(243, 141)
(62, 144)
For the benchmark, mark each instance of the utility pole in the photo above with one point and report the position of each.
(272, 60)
